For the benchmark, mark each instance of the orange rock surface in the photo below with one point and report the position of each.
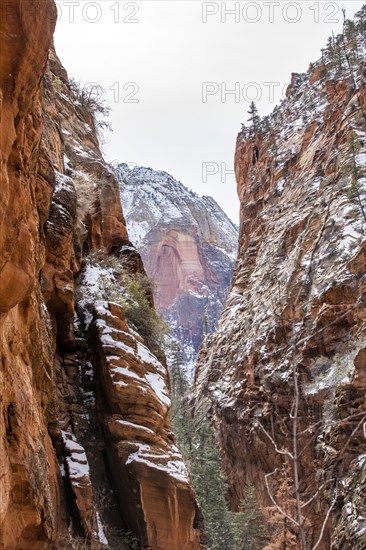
(29, 472)
(66, 446)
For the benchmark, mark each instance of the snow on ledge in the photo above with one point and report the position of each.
(154, 378)
(77, 462)
(173, 466)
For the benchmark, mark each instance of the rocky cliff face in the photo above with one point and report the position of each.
(188, 245)
(29, 492)
(86, 450)
(289, 354)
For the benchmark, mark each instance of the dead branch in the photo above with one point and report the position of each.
(279, 451)
(273, 499)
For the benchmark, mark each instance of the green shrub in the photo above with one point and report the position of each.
(132, 291)
(140, 311)
(57, 83)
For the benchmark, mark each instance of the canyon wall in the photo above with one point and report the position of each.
(289, 354)
(29, 493)
(188, 246)
(86, 452)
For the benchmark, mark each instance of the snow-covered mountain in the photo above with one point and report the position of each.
(188, 245)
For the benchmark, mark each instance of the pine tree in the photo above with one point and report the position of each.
(197, 445)
(360, 19)
(338, 53)
(267, 124)
(350, 29)
(330, 46)
(248, 527)
(205, 322)
(182, 421)
(355, 171)
(210, 490)
(254, 117)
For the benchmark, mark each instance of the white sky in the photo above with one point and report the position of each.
(159, 54)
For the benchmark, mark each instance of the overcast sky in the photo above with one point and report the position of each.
(168, 67)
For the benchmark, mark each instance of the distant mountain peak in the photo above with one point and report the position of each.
(188, 245)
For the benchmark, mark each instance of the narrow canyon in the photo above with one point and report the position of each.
(122, 429)
(85, 432)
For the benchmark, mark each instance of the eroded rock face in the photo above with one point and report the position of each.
(59, 437)
(86, 212)
(86, 216)
(297, 305)
(155, 495)
(29, 472)
(188, 245)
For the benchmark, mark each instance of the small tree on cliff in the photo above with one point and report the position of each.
(91, 98)
(356, 172)
(254, 117)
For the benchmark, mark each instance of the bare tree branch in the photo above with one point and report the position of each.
(314, 496)
(273, 499)
(279, 451)
(326, 520)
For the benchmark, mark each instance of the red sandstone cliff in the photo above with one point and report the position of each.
(86, 451)
(295, 315)
(29, 493)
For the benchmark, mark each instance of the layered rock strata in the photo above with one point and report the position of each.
(80, 460)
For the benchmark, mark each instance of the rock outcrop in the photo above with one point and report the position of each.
(188, 246)
(86, 451)
(289, 353)
(155, 496)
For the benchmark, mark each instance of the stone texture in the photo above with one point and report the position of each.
(59, 202)
(29, 474)
(154, 489)
(297, 299)
(86, 217)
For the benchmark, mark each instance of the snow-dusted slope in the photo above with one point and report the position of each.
(188, 245)
(284, 377)
(168, 200)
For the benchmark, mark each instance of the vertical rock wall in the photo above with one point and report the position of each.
(29, 473)
(297, 309)
(73, 429)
